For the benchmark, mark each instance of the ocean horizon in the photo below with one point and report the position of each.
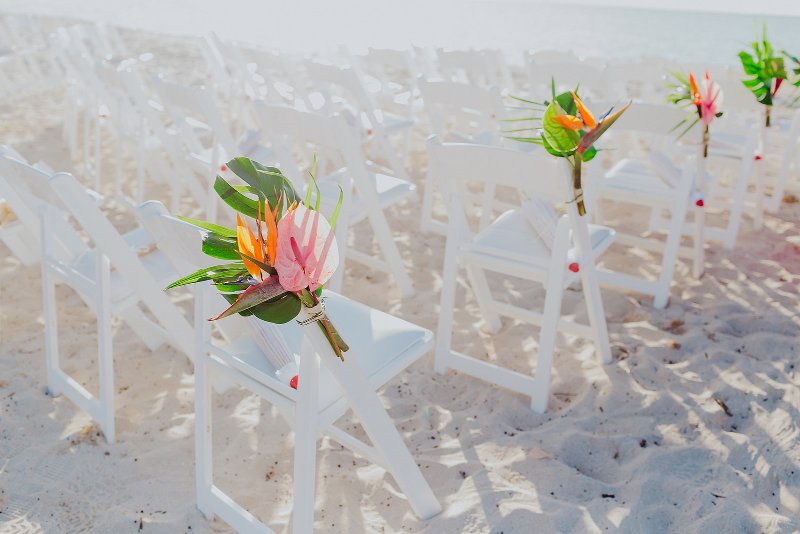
(323, 28)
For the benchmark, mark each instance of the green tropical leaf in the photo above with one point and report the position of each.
(234, 199)
(228, 270)
(269, 183)
(220, 247)
(589, 154)
(221, 230)
(562, 141)
(265, 291)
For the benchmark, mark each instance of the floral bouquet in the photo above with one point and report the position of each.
(765, 72)
(706, 100)
(281, 267)
(568, 130)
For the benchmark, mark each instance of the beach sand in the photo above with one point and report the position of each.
(692, 428)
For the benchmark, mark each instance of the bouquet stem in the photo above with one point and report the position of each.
(767, 111)
(706, 139)
(576, 185)
(310, 300)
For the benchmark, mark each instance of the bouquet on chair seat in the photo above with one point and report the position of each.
(568, 130)
(282, 266)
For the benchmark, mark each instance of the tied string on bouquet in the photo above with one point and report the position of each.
(280, 269)
(566, 129)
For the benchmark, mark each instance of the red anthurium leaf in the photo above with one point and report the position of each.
(269, 289)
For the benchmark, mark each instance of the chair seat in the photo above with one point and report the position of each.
(634, 180)
(382, 344)
(152, 259)
(511, 237)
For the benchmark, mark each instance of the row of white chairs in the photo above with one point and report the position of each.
(121, 276)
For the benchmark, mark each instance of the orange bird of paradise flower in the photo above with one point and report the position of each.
(695, 91)
(583, 121)
(259, 248)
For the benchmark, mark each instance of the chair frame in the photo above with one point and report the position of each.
(553, 274)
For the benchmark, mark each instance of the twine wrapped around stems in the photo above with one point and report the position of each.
(315, 312)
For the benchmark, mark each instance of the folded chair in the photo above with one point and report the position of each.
(381, 346)
(367, 191)
(511, 245)
(57, 208)
(655, 184)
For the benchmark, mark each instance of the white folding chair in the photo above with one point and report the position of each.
(458, 112)
(511, 246)
(13, 232)
(657, 185)
(381, 346)
(367, 191)
(59, 208)
(341, 89)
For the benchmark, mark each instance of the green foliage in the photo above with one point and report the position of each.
(761, 66)
(266, 190)
(216, 272)
(558, 140)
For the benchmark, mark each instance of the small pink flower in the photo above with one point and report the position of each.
(307, 254)
(710, 100)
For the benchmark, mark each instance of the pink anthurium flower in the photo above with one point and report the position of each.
(710, 100)
(307, 254)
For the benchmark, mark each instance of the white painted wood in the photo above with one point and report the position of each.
(508, 244)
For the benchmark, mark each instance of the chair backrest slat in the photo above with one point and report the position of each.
(535, 173)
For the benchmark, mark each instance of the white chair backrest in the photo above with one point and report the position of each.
(27, 192)
(178, 240)
(343, 82)
(184, 103)
(643, 81)
(284, 76)
(389, 65)
(328, 136)
(181, 243)
(657, 119)
(535, 174)
(460, 103)
(125, 260)
(485, 68)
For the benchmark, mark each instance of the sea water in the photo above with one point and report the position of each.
(325, 27)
